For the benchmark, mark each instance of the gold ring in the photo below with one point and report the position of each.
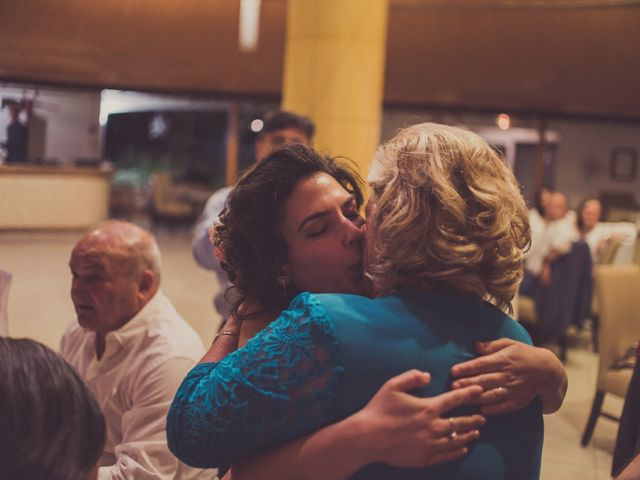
(452, 433)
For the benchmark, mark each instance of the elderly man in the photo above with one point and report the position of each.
(131, 347)
(280, 128)
(555, 240)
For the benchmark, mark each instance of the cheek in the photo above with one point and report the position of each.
(317, 268)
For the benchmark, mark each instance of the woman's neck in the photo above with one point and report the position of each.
(255, 324)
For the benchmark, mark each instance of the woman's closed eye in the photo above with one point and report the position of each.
(316, 230)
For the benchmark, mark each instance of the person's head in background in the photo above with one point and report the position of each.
(14, 113)
(116, 271)
(445, 215)
(541, 199)
(589, 213)
(283, 128)
(51, 427)
(557, 206)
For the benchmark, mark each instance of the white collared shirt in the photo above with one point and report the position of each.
(546, 236)
(625, 231)
(134, 383)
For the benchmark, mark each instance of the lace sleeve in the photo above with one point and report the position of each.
(281, 385)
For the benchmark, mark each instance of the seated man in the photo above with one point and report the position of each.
(131, 347)
(554, 241)
(597, 233)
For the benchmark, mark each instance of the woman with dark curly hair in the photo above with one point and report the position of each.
(51, 427)
(446, 233)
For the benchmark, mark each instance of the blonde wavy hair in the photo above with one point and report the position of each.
(447, 216)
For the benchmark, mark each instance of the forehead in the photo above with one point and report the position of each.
(89, 255)
(317, 193)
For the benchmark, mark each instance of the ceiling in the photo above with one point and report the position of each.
(566, 57)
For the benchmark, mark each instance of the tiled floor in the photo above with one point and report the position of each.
(39, 307)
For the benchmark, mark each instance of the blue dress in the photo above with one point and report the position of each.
(325, 357)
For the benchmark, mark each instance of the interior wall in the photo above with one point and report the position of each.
(71, 128)
(584, 157)
(584, 147)
(573, 56)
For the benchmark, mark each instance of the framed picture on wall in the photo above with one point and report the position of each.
(623, 164)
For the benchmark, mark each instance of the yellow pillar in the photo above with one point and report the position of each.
(334, 72)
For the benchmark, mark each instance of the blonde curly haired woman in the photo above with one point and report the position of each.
(446, 231)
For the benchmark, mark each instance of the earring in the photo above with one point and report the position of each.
(284, 282)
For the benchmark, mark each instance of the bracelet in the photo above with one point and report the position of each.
(226, 332)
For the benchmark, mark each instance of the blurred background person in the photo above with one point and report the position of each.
(598, 234)
(553, 234)
(16, 141)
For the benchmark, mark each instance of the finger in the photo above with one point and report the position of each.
(444, 426)
(408, 380)
(489, 364)
(502, 407)
(486, 381)
(460, 440)
(495, 395)
(487, 348)
(464, 424)
(448, 456)
(454, 398)
(489, 397)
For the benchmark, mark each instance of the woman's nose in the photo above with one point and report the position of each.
(353, 234)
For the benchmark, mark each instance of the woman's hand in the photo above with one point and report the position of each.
(512, 374)
(395, 427)
(403, 430)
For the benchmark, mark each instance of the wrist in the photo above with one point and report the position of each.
(361, 430)
(555, 381)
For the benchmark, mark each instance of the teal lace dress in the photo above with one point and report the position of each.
(324, 358)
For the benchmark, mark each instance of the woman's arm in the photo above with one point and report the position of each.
(236, 333)
(283, 384)
(512, 374)
(395, 427)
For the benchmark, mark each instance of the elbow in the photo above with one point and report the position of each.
(192, 438)
(557, 383)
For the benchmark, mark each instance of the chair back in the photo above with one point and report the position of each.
(161, 192)
(609, 251)
(618, 291)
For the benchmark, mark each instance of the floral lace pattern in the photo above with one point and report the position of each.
(282, 384)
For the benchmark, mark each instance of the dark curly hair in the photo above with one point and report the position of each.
(249, 235)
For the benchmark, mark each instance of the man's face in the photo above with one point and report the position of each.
(591, 214)
(104, 295)
(278, 138)
(557, 207)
